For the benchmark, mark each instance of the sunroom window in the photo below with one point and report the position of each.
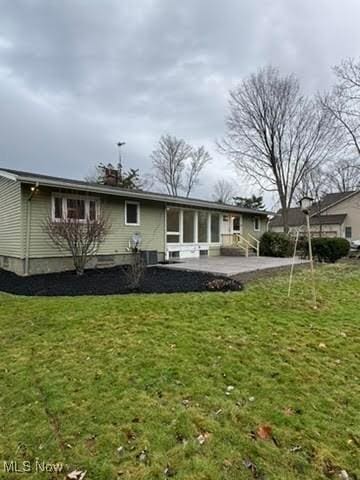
(188, 226)
(203, 227)
(173, 225)
(215, 228)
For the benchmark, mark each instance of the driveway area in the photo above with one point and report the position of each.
(231, 266)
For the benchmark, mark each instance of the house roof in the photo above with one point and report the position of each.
(297, 218)
(331, 199)
(60, 182)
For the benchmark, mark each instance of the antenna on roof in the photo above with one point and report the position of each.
(120, 144)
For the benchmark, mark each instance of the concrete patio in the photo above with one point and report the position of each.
(231, 266)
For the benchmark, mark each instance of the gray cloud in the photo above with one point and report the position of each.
(77, 76)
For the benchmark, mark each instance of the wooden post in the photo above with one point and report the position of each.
(311, 259)
(293, 262)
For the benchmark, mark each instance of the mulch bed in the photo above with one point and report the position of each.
(113, 281)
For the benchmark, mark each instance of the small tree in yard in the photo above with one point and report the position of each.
(80, 237)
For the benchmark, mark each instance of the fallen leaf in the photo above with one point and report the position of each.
(264, 432)
(203, 437)
(297, 448)
(288, 411)
(143, 456)
(76, 475)
(251, 466)
(169, 471)
(343, 475)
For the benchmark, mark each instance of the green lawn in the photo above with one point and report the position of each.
(81, 377)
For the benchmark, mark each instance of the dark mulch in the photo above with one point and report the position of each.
(112, 281)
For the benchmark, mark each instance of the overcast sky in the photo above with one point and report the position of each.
(77, 76)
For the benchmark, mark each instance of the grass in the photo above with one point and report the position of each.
(81, 377)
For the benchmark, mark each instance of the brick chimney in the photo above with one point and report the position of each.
(111, 177)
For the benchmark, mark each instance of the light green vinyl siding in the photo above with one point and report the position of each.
(10, 218)
(248, 226)
(151, 228)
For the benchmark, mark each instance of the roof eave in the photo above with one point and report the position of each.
(133, 194)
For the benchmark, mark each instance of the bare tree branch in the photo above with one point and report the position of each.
(79, 237)
(223, 191)
(343, 102)
(177, 165)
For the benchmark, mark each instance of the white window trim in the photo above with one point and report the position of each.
(179, 232)
(196, 229)
(254, 222)
(210, 239)
(137, 224)
(64, 197)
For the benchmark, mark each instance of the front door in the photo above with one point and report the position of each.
(236, 224)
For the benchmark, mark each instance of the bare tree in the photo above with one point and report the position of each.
(223, 191)
(199, 157)
(177, 165)
(344, 176)
(275, 135)
(81, 237)
(343, 102)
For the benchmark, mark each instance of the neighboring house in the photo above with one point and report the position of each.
(172, 226)
(336, 215)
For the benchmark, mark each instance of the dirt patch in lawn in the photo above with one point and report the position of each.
(114, 281)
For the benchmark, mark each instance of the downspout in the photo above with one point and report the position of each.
(33, 189)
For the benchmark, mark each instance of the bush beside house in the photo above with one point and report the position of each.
(275, 244)
(330, 250)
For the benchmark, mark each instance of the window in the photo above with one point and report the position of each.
(203, 227)
(132, 213)
(236, 223)
(188, 226)
(58, 210)
(75, 208)
(68, 207)
(92, 209)
(348, 232)
(173, 225)
(256, 224)
(215, 228)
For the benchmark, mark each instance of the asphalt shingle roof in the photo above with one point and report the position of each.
(140, 194)
(297, 218)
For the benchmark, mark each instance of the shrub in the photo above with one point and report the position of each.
(330, 250)
(223, 285)
(135, 272)
(275, 244)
